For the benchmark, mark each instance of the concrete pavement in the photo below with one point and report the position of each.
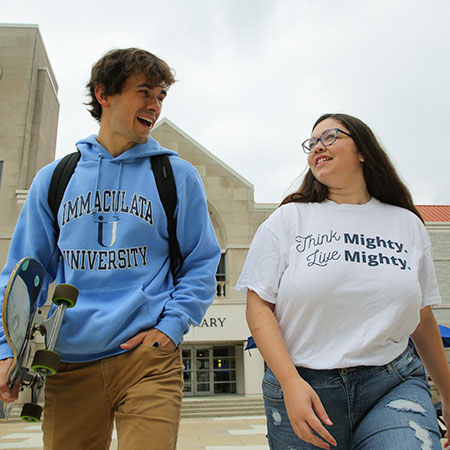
(228, 433)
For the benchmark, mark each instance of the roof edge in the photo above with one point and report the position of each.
(35, 26)
(19, 25)
(167, 121)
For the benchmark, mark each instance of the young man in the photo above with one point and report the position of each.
(119, 345)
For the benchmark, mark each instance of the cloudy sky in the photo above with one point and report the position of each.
(254, 75)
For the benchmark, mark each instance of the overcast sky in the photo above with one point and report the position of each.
(254, 75)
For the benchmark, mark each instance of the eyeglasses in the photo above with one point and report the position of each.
(327, 138)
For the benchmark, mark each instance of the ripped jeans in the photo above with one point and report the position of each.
(373, 408)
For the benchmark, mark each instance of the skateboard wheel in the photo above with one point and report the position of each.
(31, 412)
(65, 294)
(45, 362)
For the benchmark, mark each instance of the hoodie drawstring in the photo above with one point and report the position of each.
(97, 181)
(118, 188)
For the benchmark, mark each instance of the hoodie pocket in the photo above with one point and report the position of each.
(102, 319)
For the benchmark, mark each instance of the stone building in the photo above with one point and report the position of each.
(437, 221)
(29, 111)
(213, 353)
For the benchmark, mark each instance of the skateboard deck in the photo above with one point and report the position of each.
(22, 318)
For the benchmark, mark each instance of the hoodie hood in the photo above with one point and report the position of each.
(91, 149)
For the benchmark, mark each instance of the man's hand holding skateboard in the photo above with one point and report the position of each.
(6, 394)
(22, 319)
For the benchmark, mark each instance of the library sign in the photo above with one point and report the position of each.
(213, 322)
(221, 323)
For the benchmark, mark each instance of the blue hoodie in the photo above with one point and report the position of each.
(114, 245)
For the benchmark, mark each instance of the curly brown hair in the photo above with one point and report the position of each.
(382, 180)
(116, 66)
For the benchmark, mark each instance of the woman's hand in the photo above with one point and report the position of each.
(428, 342)
(306, 413)
(305, 410)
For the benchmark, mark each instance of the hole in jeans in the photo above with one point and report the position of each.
(407, 405)
(276, 416)
(421, 433)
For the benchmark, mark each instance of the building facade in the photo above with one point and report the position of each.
(214, 354)
(29, 110)
(437, 221)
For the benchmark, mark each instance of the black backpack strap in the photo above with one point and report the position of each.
(162, 171)
(60, 179)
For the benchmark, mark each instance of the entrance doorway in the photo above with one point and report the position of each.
(209, 370)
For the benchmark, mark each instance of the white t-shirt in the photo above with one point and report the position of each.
(347, 281)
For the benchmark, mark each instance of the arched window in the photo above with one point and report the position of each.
(221, 277)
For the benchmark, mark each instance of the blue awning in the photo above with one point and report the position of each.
(445, 334)
(250, 343)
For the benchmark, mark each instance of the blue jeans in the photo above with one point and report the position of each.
(372, 407)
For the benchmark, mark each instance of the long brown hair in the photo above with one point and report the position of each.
(381, 178)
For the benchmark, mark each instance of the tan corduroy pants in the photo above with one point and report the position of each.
(141, 390)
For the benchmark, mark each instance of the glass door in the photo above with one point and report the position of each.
(188, 372)
(198, 372)
(203, 375)
(209, 370)
(224, 370)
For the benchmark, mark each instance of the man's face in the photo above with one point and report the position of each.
(131, 114)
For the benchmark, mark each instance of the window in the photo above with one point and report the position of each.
(224, 363)
(221, 278)
(209, 370)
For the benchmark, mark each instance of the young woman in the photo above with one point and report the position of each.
(337, 280)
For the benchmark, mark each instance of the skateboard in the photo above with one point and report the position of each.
(22, 320)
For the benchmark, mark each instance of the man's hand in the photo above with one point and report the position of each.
(150, 338)
(6, 394)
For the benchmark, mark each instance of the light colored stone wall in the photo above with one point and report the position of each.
(29, 111)
(440, 243)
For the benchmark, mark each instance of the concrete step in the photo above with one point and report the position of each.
(218, 409)
(222, 407)
(212, 414)
(201, 407)
(14, 416)
(224, 399)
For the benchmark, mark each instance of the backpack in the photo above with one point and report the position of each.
(165, 182)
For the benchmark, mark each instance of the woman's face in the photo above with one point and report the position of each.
(338, 165)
